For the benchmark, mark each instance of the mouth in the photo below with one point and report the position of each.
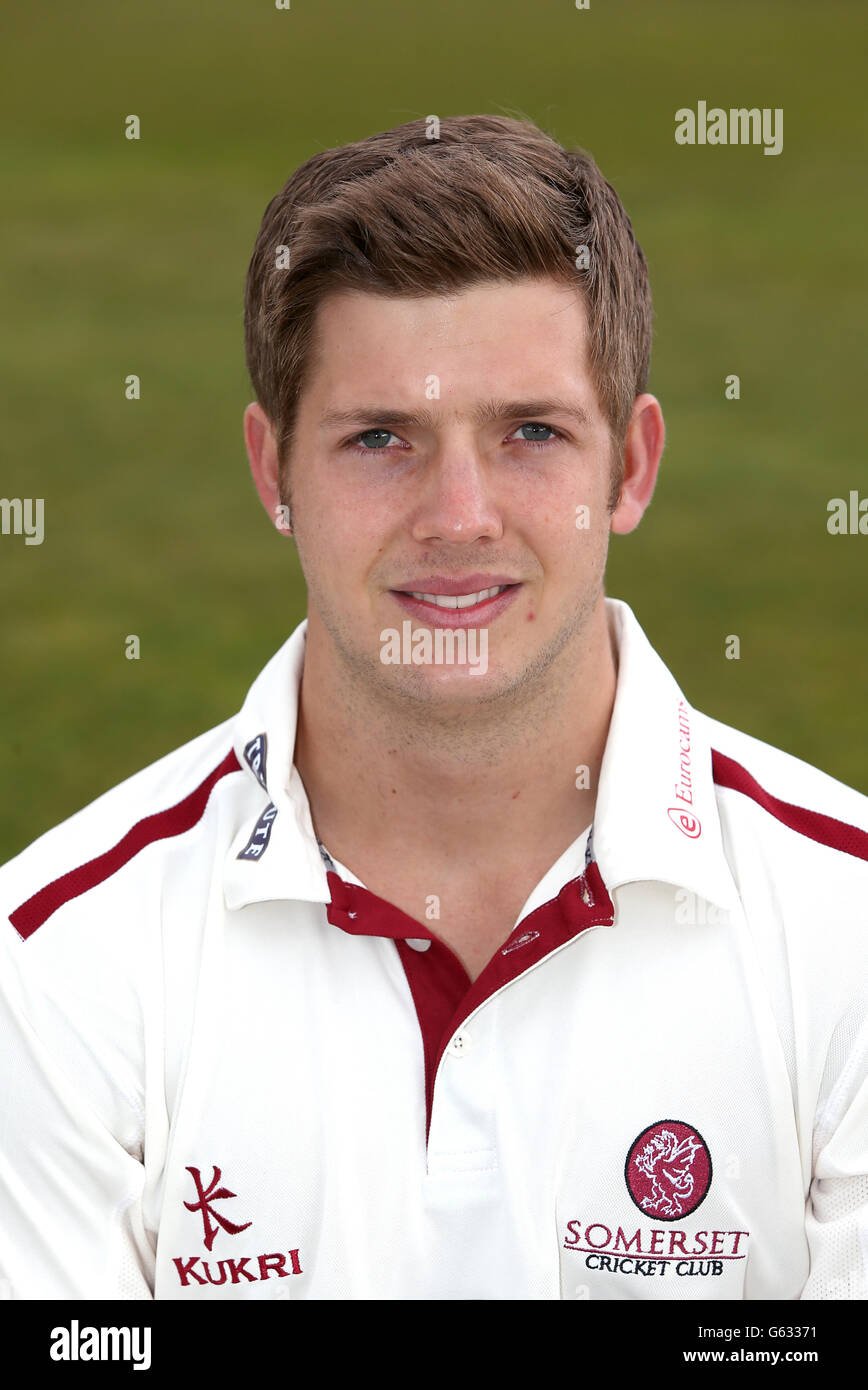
(457, 609)
(460, 600)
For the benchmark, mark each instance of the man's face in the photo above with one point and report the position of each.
(448, 474)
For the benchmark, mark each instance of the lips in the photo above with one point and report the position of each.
(463, 607)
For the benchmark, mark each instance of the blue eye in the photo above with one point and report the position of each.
(535, 425)
(384, 435)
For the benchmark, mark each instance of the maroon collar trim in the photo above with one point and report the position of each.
(443, 993)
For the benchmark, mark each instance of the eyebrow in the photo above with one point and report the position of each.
(485, 413)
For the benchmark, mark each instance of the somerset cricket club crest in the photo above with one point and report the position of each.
(668, 1170)
(668, 1175)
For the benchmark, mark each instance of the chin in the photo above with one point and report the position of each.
(443, 688)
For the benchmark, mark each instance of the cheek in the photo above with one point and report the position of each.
(570, 537)
(339, 544)
(353, 499)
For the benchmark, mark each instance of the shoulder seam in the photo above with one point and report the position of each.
(825, 830)
(175, 820)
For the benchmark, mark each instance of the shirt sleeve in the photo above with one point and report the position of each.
(71, 1183)
(837, 1211)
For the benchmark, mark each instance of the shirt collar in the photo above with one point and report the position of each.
(263, 737)
(656, 815)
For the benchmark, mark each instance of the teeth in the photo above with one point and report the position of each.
(460, 600)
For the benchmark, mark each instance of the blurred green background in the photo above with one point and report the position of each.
(122, 257)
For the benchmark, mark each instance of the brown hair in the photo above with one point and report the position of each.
(400, 213)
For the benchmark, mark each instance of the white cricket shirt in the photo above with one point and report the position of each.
(228, 1071)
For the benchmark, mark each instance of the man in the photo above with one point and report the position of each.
(447, 969)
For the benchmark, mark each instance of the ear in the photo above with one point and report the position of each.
(261, 444)
(643, 449)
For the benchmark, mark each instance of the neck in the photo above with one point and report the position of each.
(480, 787)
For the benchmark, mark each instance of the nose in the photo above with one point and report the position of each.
(458, 500)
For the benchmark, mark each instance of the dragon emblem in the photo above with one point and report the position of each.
(667, 1162)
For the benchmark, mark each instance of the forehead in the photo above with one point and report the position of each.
(517, 338)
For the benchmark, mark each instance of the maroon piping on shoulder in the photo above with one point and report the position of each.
(160, 826)
(837, 834)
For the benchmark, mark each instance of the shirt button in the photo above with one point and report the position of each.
(419, 943)
(460, 1045)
